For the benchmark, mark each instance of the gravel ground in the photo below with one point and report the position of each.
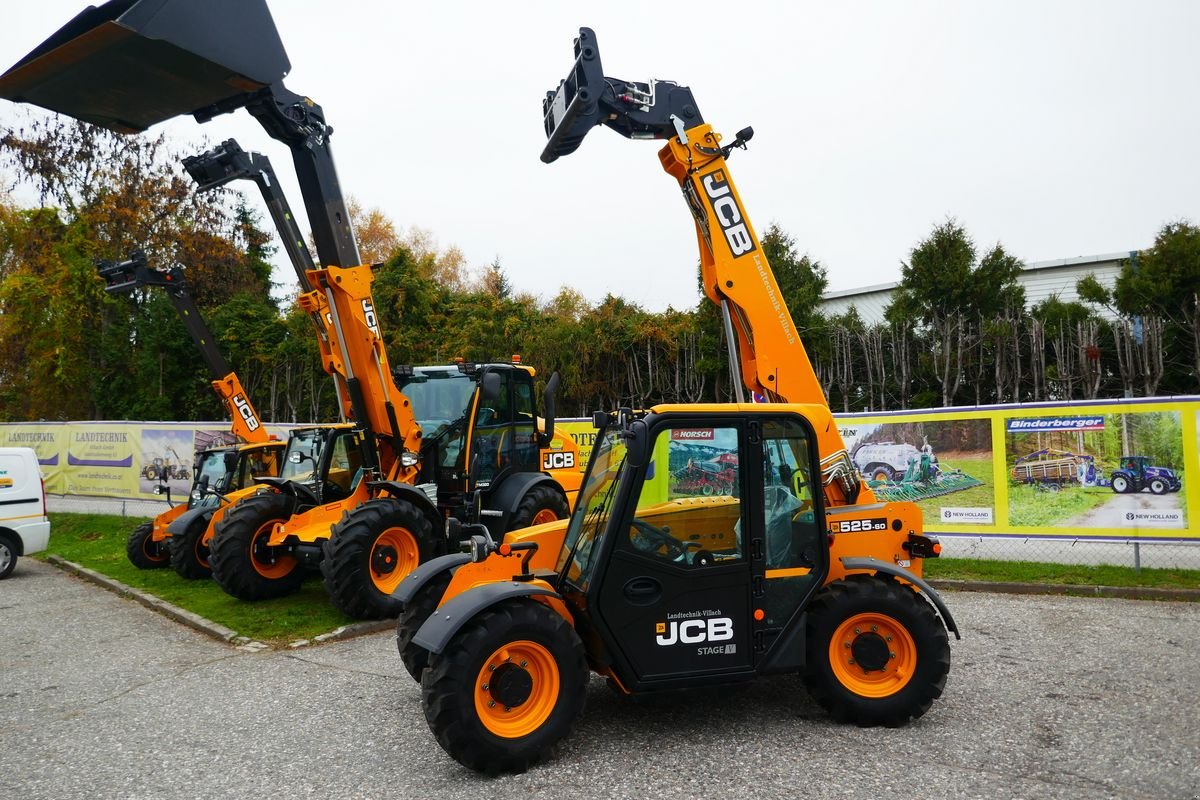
(1049, 697)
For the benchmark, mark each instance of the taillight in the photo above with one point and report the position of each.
(45, 506)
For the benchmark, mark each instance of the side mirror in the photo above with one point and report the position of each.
(551, 391)
(637, 443)
(489, 385)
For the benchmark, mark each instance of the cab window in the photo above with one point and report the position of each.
(689, 510)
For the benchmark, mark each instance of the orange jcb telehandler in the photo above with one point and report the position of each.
(798, 569)
(222, 474)
(348, 498)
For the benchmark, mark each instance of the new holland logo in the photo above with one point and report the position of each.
(728, 212)
(247, 413)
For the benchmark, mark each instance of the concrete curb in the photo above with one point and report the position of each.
(194, 621)
(1077, 590)
(207, 626)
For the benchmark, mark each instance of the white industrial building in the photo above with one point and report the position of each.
(1041, 279)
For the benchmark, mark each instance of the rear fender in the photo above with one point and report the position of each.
(410, 493)
(441, 626)
(877, 566)
(184, 520)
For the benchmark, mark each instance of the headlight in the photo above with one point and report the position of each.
(409, 459)
(196, 494)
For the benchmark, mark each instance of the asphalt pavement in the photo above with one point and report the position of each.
(1048, 697)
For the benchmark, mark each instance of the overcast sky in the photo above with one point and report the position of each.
(1059, 129)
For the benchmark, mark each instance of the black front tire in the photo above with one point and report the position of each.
(450, 683)
(189, 553)
(867, 692)
(371, 550)
(412, 617)
(143, 551)
(238, 566)
(538, 503)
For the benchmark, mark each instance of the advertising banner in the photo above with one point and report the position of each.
(141, 460)
(1116, 469)
(1097, 470)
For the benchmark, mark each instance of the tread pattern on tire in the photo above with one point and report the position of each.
(536, 499)
(447, 687)
(858, 593)
(229, 550)
(135, 548)
(183, 551)
(412, 617)
(346, 565)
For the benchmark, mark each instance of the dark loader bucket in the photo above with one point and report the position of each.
(129, 64)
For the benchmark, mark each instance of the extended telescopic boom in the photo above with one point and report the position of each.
(765, 352)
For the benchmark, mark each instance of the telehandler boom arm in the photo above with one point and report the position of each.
(130, 64)
(134, 273)
(765, 349)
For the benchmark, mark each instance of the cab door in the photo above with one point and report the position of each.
(674, 596)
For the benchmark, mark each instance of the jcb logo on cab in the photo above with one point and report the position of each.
(558, 460)
(693, 631)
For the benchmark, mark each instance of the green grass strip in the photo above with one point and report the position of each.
(97, 541)
(975, 569)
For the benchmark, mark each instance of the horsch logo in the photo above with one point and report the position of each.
(693, 434)
(728, 212)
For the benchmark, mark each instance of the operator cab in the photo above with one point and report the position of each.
(696, 578)
(324, 462)
(468, 409)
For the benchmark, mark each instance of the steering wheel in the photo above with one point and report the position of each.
(650, 537)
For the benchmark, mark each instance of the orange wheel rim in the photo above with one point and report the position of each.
(873, 655)
(544, 516)
(201, 551)
(393, 556)
(153, 549)
(282, 566)
(517, 689)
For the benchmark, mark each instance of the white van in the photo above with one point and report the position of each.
(24, 528)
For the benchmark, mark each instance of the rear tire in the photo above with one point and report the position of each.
(412, 617)
(540, 504)
(241, 564)
(523, 652)
(371, 550)
(877, 653)
(189, 553)
(143, 551)
(8, 556)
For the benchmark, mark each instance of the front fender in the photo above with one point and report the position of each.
(181, 523)
(423, 574)
(410, 493)
(875, 565)
(452, 615)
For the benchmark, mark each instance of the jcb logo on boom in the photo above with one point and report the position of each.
(369, 317)
(693, 631)
(729, 213)
(558, 460)
(243, 408)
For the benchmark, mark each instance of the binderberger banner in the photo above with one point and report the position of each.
(1119, 470)
(1099, 470)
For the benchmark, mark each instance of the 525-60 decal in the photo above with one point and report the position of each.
(857, 525)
